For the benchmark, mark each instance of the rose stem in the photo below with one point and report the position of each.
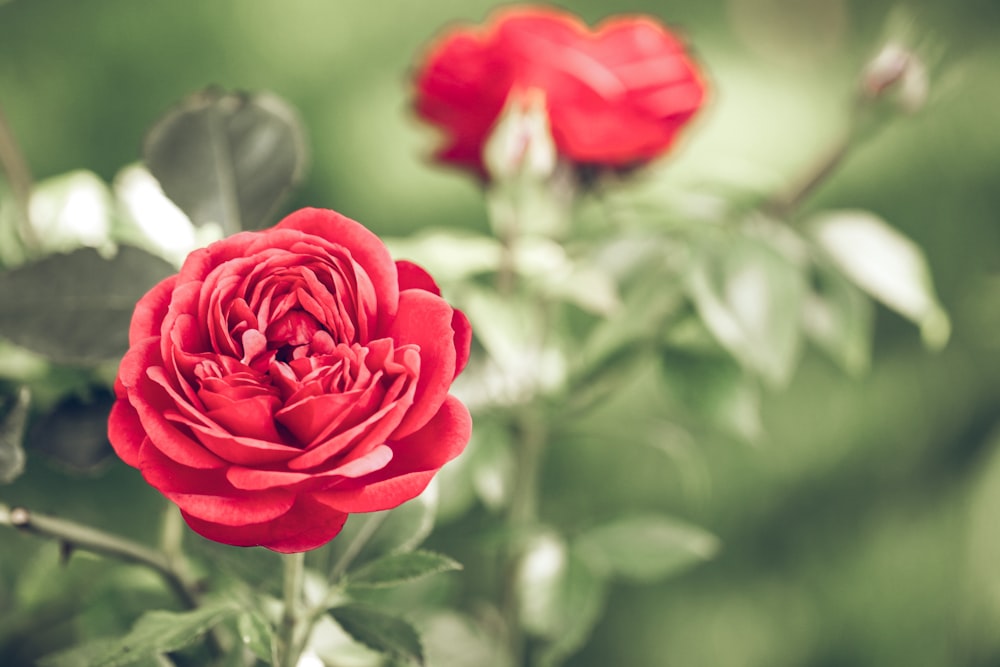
(522, 513)
(19, 176)
(372, 523)
(77, 536)
(785, 204)
(294, 570)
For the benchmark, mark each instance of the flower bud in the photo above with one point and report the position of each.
(898, 76)
(520, 145)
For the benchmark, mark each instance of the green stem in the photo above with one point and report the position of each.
(77, 536)
(367, 531)
(522, 515)
(292, 640)
(19, 177)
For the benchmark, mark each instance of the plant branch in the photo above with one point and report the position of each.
(77, 536)
(784, 205)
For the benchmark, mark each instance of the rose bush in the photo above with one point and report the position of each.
(286, 378)
(616, 96)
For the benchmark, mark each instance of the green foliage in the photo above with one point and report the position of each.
(397, 568)
(747, 293)
(227, 158)
(155, 633)
(886, 264)
(646, 548)
(382, 632)
(77, 307)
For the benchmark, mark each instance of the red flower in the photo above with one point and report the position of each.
(617, 96)
(288, 377)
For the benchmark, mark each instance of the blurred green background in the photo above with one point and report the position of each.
(865, 529)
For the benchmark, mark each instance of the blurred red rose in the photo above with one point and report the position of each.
(616, 96)
(289, 377)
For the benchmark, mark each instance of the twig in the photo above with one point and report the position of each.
(76, 536)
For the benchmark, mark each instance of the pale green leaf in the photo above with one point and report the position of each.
(749, 297)
(646, 548)
(560, 597)
(886, 264)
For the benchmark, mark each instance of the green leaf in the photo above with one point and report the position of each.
(257, 635)
(560, 597)
(400, 530)
(381, 632)
(156, 632)
(582, 600)
(77, 308)
(714, 390)
(646, 548)
(750, 297)
(838, 318)
(12, 437)
(887, 265)
(227, 157)
(398, 568)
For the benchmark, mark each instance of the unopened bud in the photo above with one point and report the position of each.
(897, 75)
(521, 144)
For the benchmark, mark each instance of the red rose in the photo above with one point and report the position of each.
(288, 377)
(616, 96)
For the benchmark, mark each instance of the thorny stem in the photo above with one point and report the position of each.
(19, 177)
(77, 536)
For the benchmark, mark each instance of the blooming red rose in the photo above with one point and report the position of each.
(288, 377)
(616, 96)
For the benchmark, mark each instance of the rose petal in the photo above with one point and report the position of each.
(307, 525)
(365, 248)
(415, 461)
(412, 276)
(125, 432)
(425, 320)
(150, 311)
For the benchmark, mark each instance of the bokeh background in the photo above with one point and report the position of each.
(863, 530)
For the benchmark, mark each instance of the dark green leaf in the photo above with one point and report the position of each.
(381, 632)
(227, 157)
(156, 632)
(77, 307)
(646, 548)
(12, 437)
(399, 568)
